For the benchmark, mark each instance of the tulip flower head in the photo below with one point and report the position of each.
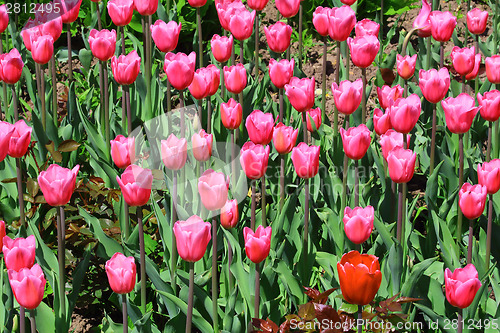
(254, 159)
(69, 9)
(20, 139)
(213, 188)
(121, 11)
(235, 78)
(278, 36)
(258, 243)
(442, 25)
(241, 25)
(459, 112)
(463, 59)
(406, 65)
(58, 184)
(146, 7)
(226, 10)
(347, 95)
(284, 138)
(180, 69)
(257, 4)
(488, 175)
(320, 20)
(477, 20)
(121, 272)
(315, 115)
(174, 152)
(4, 18)
(19, 252)
(31, 28)
(490, 105)
(381, 121)
(390, 140)
(477, 63)
(221, 47)
(404, 113)
(166, 35)
(461, 285)
(388, 95)
(11, 67)
(348, 2)
(229, 214)
(231, 114)
(356, 141)
(192, 237)
(305, 160)
(102, 43)
(6, 131)
(401, 164)
(493, 68)
(260, 127)
(422, 21)
(2, 233)
(300, 93)
(358, 223)
(28, 286)
(42, 48)
(366, 27)
(202, 145)
(49, 22)
(123, 151)
(288, 8)
(281, 72)
(136, 184)
(126, 68)
(197, 3)
(434, 84)
(341, 21)
(363, 49)
(472, 200)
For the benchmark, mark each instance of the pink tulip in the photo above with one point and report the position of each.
(180, 69)
(472, 200)
(28, 286)
(146, 7)
(404, 113)
(226, 10)
(231, 114)
(6, 131)
(165, 35)
(488, 175)
(102, 43)
(58, 184)
(300, 93)
(192, 237)
(213, 189)
(288, 8)
(229, 214)
(42, 48)
(221, 47)
(390, 140)
(31, 28)
(174, 152)
(422, 21)
(477, 63)
(202, 145)
(123, 151)
(126, 68)
(11, 66)
(406, 65)
(241, 25)
(363, 49)
(477, 20)
(434, 84)
(305, 160)
(2, 233)
(341, 22)
(490, 105)
(20, 139)
(201, 83)
(442, 25)
(136, 184)
(459, 112)
(121, 272)
(278, 36)
(381, 121)
(4, 18)
(69, 9)
(366, 27)
(214, 79)
(121, 11)
(315, 115)
(461, 286)
(284, 138)
(50, 22)
(19, 253)
(463, 59)
(348, 2)
(197, 3)
(358, 223)
(254, 159)
(347, 95)
(281, 72)
(260, 127)
(320, 20)
(235, 78)
(258, 244)
(493, 68)
(356, 141)
(257, 4)
(388, 95)
(401, 164)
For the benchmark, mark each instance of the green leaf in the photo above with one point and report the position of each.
(109, 245)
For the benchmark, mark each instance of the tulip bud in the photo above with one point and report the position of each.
(490, 105)
(477, 20)
(229, 214)
(197, 3)
(121, 272)
(221, 47)
(347, 95)
(278, 36)
(11, 66)
(50, 22)
(358, 223)
(472, 200)
(202, 145)
(388, 95)
(165, 35)
(254, 159)
(401, 164)
(192, 237)
(28, 286)
(281, 72)
(58, 184)
(226, 10)
(213, 189)
(231, 114)
(434, 84)
(136, 184)
(180, 69)
(174, 152)
(315, 115)
(102, 43)
(123, 151)
(406, 65)
(305, 160)
(459, 112)
(260, 127)
(19, 252)
(300, 93)
(126, 68)
(461, 286)
(258, 244)
(488, 175)
(121, 11)
(356, 141)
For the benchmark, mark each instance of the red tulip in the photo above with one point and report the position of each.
(422, 21)
(463, 59)
(180, 69)
(260, 127)
(315, 115)
(366, 27)
(258, 243)
(235, 78)
(477, 63)
(347, 95)
(2, 233)
(42, 48)
(165, 35)
(348, 2)
(6, 131)
(442, 25)
(305, 160)
(300, 93)
(281, 72)
(461, 286)
(284, 138)
(102, 43)
(406, 65)
(363, 49)
(356, 141)
(257, 4)
(213, 189)
(472, 200)
(192, 237)
(231, 114)
(381, 121)
(493, 68)
(401, 164)
(197, 3)
(358, 223)
(30, 28)
(434, 84)
(229, 214)
(121, 11)
(202, 145)
(254, 159)
(288, 8)
(477, 20)
(146, 7)
(390, 140)
(278, 36)
(320, 20)
(69, 9)
(214, 79)
(121, 272)
(241, 25)
(226, 10)
(388, 95)
(58, 184)
(19, 253)
(459, 112)
(11, 66)
(50, 22)
(136, 184)
(174, 152)
(404, 113)
(221, 47)
(126, 68)
(123, 151)
(359, 277)
(490, 105)
(341, 22)
(28, 286)
(488, 175)
(4, 18)
(201, 83)
(20, 139)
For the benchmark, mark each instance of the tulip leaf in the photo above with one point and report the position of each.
(68, 146)
(109, 245)
(45, 319)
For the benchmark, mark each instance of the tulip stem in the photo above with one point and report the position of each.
(20, 192)
(142, 250)
(488, 149)
(54, 89)
(182, 120)
(356, 184)
(360, 318)
(381, 31)
(280, 93)
(101, 94)
(124, 313)
(229, 262)
(463, 84)
(106, 102)
(405, 91)
(169, 96)
(471, 242)
(363, 96)
(242, 60)
(429, 52)
(305, 246)
(337, 80)
(200, 39)
(433, 139)
(200, 112)
(344, 172)
(288, 50)
(263, 200)
(253, 204)
(300, 36)
(323, 80)
(223, 84)
(304, 126)
(347, 61)
(441, 55)
(257, 41)
(173, 255)
(4, 87)
(22, 318)
(61, 256)
(215, 291)
(126, 231)
(282, 181)
(99, 23)
(489, 232)
(233, 158)
(42, 96)
(256, 312)
(209, 115)
(32, 321)
(460, 182)
(400, 214)
(233, 55)
(123, 39)
(495, 27)
(460, 321)
(147, 60)
(129, 109)
(189, 316)
(70, 58)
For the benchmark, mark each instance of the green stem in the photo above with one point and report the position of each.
(242, 59)
(142, 250)
(124, 313)
(460, 321)
(173, 255)
(189, 316)
(98, 11)
(433, 139)
(280, 92)
(263, 200)
(233, 158)
(256, 312)
(126, 229)
(488, 149)
(209, 115)
(337, 80)
(347, 61)
(429, 52)
(253, 206)
(257, 40)
(147, 52)
(471, 242)
(129, 110)
(463, 84)
(215, 284)
(70, 58)
(489, 232)
(399, 230)
(229, 262)
(363, 96)
(356, 184)
(106, 102)
(54, 89)
(223, 84)
(32, 321)
(200, 39)
(20, 192)
(300, 36)
(441, 55)
(460, 182)
(42, 96)
(282, 181)
(22, 319)
(61, 256)
(323, 80)
(344, 172)
(4, 86)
